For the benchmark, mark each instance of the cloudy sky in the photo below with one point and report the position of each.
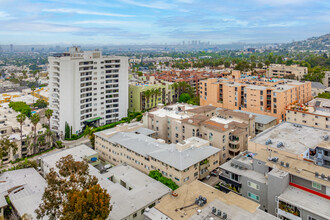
(155, 21)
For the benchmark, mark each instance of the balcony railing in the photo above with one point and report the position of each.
(227, 180)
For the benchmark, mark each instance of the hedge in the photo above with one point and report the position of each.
(155, 174)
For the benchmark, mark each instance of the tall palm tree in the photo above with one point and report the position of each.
(89, 131)
(35, 118)
(49, 114)
(33, 88)
(21, 118)
(6, 146)
(147, 95)
(157, 93)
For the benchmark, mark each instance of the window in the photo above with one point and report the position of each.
(210, 136)
(186, 179)
(196, 174)
(135, 215)
(253, 185)
(234, 176)
(316, 185)
(253, 196)
(311, 218)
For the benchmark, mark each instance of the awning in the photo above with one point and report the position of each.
(92, 120)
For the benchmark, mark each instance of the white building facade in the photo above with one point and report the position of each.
(85, 88)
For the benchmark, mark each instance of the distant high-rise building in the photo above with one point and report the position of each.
(87, 88)
(11, 48)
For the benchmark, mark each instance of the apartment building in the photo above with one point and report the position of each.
(316, 114)
(224, 129)
(131, 191)
(282, 71)
(87, 88)
(284, 186)
(183, 162)
(262, 122)
(262, 96)
(11, 128)
(148, 94)
(199, 201)
(326, 79)
(23, 189)
(292, 140)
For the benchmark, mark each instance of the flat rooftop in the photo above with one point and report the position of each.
(174, 155)
(296, 140)
(259, 118)
(25, 188)
(297, 167)
(78, 153)
(307, 201)
(173, 111)
(234, 205)
(130, 189)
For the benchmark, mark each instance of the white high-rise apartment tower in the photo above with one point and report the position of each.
(87, 88)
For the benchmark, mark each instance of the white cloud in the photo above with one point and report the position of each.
(115, 23)
(152, 4)
(5, 16)
(84, 12)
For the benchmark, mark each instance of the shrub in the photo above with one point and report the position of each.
(139, 117)
(155, 174)
(21, 107)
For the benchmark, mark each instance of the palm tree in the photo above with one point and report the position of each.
(157, 93)
(21, 118)
(33, 88)
(147, 95)
(89, 131)
(6, 146)
(49, 114)
(35, 118)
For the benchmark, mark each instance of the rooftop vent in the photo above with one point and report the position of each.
(224, 215)
(280, 145)
(268, 142)
(214, 210)
(326, 137)
(282, 163)
(219, 212)
(317, 174)
(287, 165)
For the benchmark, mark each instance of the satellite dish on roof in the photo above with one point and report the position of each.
(250, 116)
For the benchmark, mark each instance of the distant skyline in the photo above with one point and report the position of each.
(25, 22)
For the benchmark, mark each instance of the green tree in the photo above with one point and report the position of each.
(260, 65)
(21, 107)
(20, 119)
(147, 94)
(315, 75)
(324, 95)
(184, 97)
(49, 114)
(69, 192)
(33, 88)
(89, 132)
(35, 118)
(40, 104)
(227, 64)
(267, 63)
(7, 146)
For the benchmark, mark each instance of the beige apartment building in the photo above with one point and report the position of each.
(10, 128)
(316, 114)
(282, 71)
(261, 96)
(183, 162)
(223, 128)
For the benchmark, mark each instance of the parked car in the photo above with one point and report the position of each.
(214, 173)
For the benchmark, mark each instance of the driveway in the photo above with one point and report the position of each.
(212, 181)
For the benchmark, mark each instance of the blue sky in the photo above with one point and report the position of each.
(153, 21)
